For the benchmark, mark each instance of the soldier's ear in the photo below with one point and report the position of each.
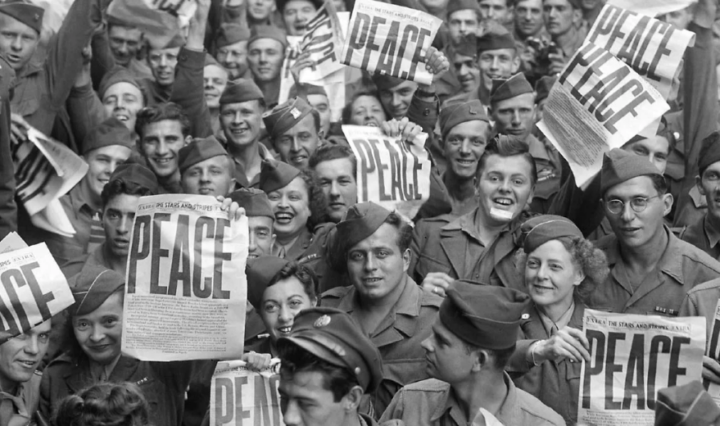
(351, 401)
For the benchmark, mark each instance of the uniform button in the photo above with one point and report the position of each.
(426, 112)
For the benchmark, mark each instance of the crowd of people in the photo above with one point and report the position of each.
(471, 312)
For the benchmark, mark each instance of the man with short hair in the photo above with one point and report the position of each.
(500, 11)
(465, 66)
(317, 97)
(260, 220)
(241, 108)
(294, 129)
(206, 168)
(463, 18)
(563, 21)
(336, 168)
(512, 103)
(296, 14)
(591, 10)
(20, 380)
(371, 247)
(529, 20)
(232, 49)
(266, 53)
(104, 149)
(42, 87)
(471, 342)
(121, 96)
(651, 269)
(163, 129)
(120, 198)
(125, 41)
(162, 62)
(395, 94)
(327, 364)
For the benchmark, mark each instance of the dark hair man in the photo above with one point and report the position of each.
(163, 129)
(471, 342)
(336, 168)
(120, 198)
(327, 364)
(294, 129)
(371, 247)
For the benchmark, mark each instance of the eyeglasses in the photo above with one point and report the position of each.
(638, 204)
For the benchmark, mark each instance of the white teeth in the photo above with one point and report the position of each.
(503, 201)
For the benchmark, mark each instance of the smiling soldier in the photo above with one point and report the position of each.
(104, 148)
(294, 128)
(206, 168)
(371, 245)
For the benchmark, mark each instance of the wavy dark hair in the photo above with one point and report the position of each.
(316, 198)
(303, 273)
(161, 112)
(104, 404)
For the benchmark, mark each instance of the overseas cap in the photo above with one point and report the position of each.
(494, 40)
(254, 201)
(115, 76)
(486, 316)
(361, 221)
(455, 5)
(240, 90)
(385, 81)
(686, 405)
(619, 166)
(467, 45)
(709, 151)
(268, 31)
(92, 286)
(259, 272)
(543, 86)
(335, 337)
(457, 113)
(199, 150)
(275, 175)
(110, 132)
(25, 12)
(538, 230)
(285, 116)
(232, 33)
(506, 89)
(310, 89)
(136, 176)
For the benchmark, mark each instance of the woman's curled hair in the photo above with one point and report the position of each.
(104, 404)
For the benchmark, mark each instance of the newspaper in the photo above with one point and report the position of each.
(33, 289)
(12, 242)
(334, 83)
(654, 7)
(389, 39)
(390, 172)
(45, 170)
(652, 48)
(713, 351)
(631, 358)
(598, 103)
(243, 397)
(323, 39)
(186, 289)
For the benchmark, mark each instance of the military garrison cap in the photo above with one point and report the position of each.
(25, 12)
(254, 201)
(335, 337)
(275, 175)
(241, 90)
(538, 230)
(619, 166)
(285, 116)
(135, 176)
(457, 113)
(506, 89)
(260, 271)
(232, 33)
(199, 150)
(92, 287)
(686, 405)
(110, 132)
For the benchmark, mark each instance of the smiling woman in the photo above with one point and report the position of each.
(561, 268)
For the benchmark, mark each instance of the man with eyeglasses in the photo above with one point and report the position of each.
(651, 269)
(512, 106)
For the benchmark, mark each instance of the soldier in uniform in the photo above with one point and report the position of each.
(206, 168)
(266, 53)
(651, 270)
(120, 198)
(327, 364)
(471, 341)
(294, 129)
(104, 149)
(371, 248)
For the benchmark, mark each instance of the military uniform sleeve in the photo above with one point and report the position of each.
(64, 60)
(424, 113)
(583, 207)
(86, 112)
(189, 91)
(178, 374)
(395, 409)
(700, 105)
(102, 59)
(8, 209)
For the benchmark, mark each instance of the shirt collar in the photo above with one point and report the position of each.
(712, 234)
(670, 263)
(509, 413)
(408, 304)
(564, 320)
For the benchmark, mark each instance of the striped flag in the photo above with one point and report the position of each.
(160, 20)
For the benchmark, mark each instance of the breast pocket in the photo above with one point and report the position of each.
(427, 264)
(151, 389)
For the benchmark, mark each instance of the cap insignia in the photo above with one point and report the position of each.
(525, 316)
(295, 113)
(323, 321)
(472, 111)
